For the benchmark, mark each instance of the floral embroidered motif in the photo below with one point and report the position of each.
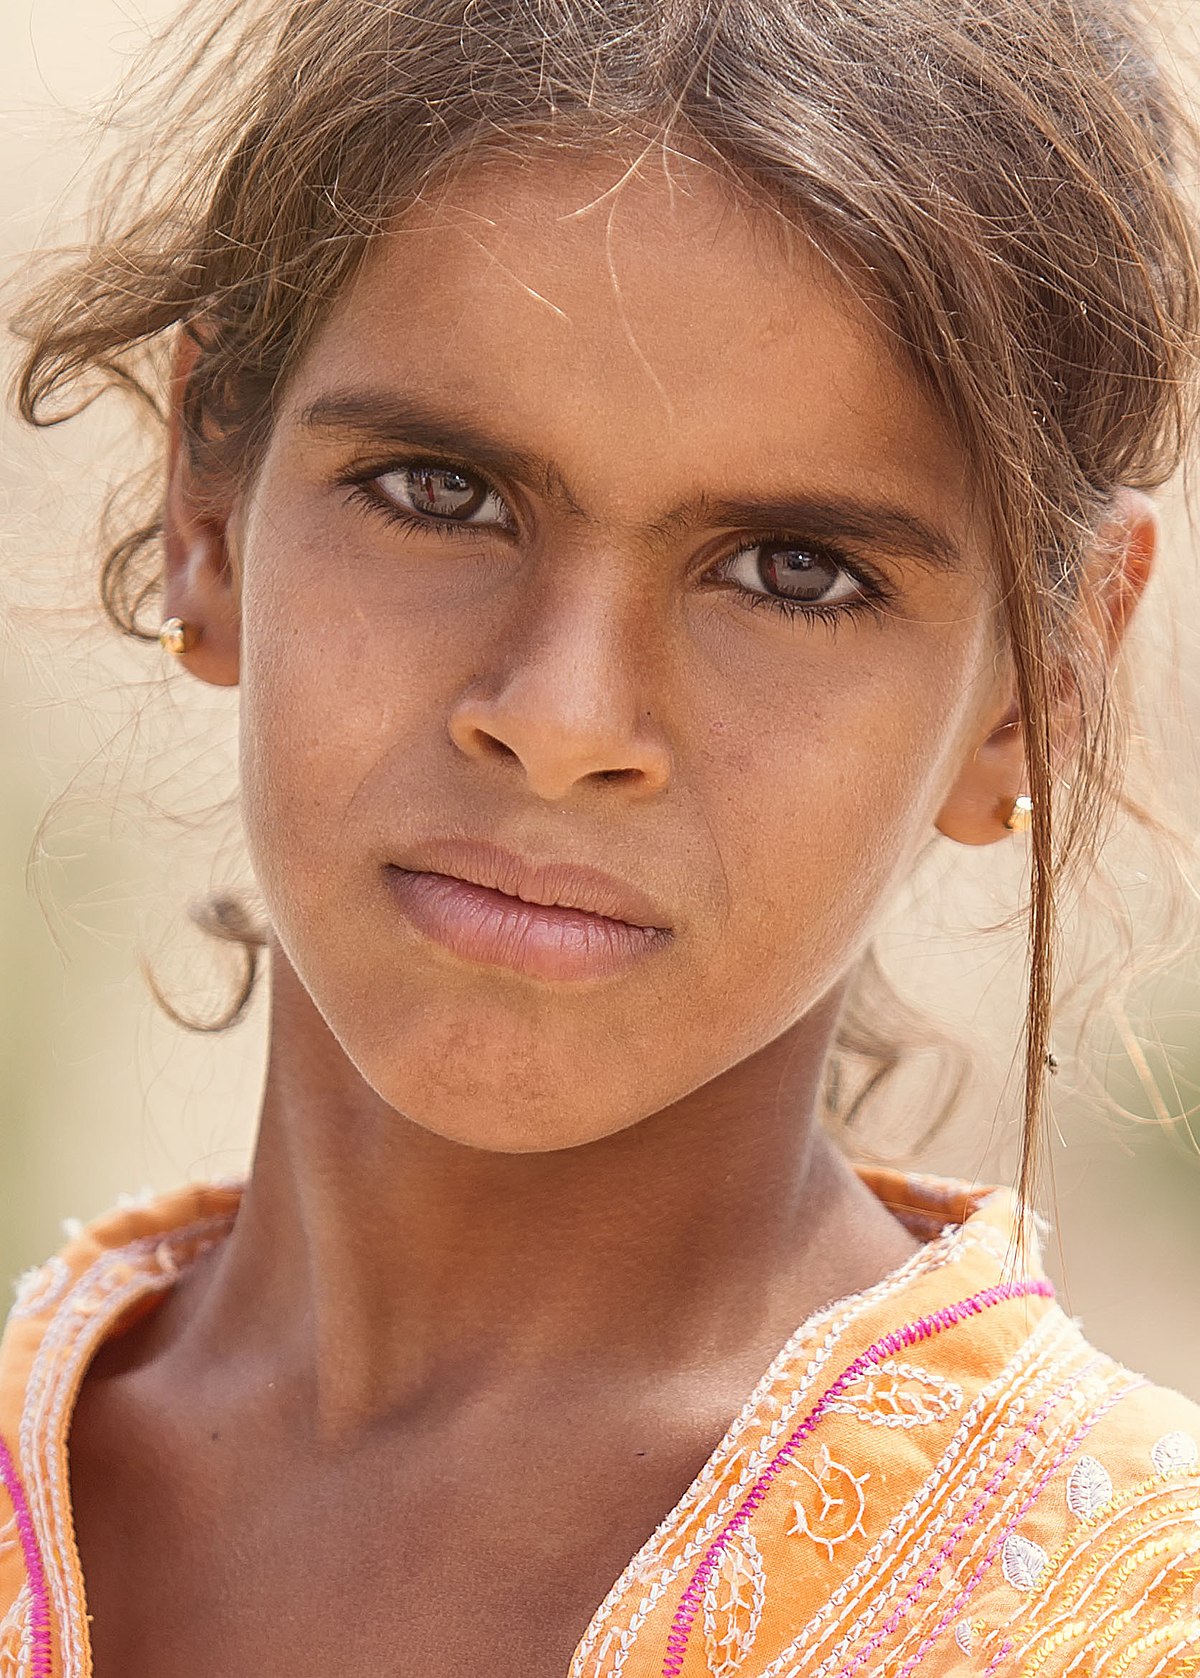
(733, 1605)
(1023, 1561)
(902, 1395)
(1093, 1599)
(1174, 1452)
(1003, 1499)
(887, 1345)
(974, 1514)
(1089, 1488)
(882, 1593)
(832, 1511)
(771, 1411)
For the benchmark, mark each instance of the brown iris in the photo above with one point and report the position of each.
(439, 491)
(798, 573)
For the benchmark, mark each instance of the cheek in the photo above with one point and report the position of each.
(821, 788)
(328, 689)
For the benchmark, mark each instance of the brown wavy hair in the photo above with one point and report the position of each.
(1008, 173)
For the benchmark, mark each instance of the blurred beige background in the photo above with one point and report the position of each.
(102, 1096)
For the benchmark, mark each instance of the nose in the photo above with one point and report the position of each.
(570, 702)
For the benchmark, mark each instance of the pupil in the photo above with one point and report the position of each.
(798, 574)
(444, 493)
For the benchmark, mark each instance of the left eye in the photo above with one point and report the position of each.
(441, 493)
(795, 572)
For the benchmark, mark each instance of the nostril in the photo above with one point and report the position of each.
(495, 747)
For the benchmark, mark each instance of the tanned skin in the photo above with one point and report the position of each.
(515, 1251)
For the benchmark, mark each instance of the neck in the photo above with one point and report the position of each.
(374, 1263)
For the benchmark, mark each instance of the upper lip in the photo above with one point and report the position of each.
(553, 883)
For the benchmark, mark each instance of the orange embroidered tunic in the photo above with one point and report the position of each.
(938, 1475)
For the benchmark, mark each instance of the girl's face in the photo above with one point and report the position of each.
(599, 525)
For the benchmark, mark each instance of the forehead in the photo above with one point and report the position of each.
(612, 313)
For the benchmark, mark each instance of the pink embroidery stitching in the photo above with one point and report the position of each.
(39, 1612)
(1040, 1485)
(910, 1335)
(949, 1543)
(1006, 1648)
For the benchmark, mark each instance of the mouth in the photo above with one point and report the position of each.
(554, 921)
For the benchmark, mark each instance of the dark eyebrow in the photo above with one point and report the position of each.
(386, 419)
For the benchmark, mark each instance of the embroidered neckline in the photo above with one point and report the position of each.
(86, 1309)
(690, 1526)
(887, 1345)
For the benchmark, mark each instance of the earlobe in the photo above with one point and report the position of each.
(981, 806)
(199, 580)
(199, 592)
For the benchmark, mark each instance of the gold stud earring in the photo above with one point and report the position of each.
(173, 636)
(1020, 817)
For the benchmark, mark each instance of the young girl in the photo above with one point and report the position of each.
(650, 468)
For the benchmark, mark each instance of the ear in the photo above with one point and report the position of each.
(200, 583)
(1122, 559)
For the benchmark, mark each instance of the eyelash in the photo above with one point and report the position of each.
(363, 495)
(874, 600)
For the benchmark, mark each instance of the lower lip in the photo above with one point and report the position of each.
(540, 940)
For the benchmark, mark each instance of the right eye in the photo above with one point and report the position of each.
(441, 494)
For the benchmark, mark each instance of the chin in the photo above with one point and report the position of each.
(477, 1078)
(494, 1123)
(469, 1088)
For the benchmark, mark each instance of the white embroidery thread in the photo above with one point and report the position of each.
(1174, 1451)
(1023, 1561)
(1089, 1488)
(733, 1606)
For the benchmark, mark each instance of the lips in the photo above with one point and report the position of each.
(548, 920)
(563, 885)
